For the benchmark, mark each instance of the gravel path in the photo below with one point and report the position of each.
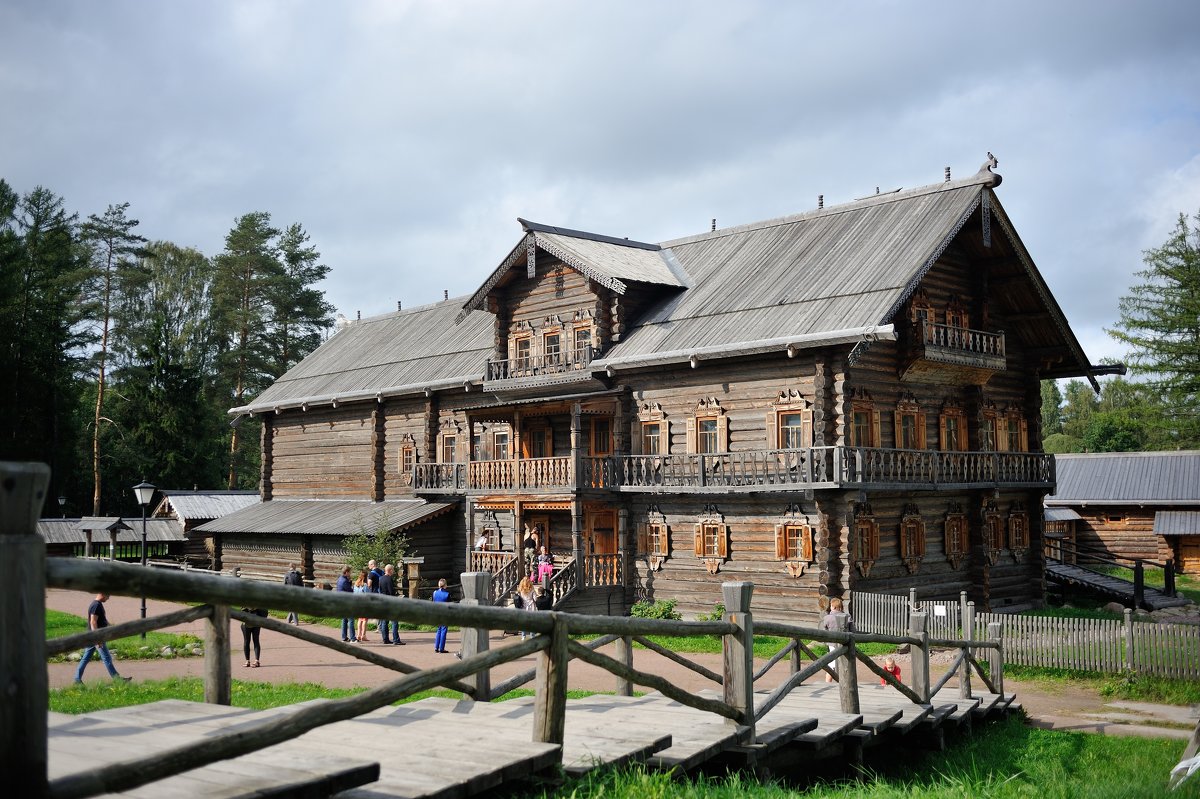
(287, 659)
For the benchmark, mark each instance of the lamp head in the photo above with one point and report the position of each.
(144, 492)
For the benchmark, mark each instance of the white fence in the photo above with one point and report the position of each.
(1103, 645)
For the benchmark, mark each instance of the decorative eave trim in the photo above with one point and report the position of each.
(473, 381)
(571, 260)
(476, 300)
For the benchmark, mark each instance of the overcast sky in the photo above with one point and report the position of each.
(407, 137)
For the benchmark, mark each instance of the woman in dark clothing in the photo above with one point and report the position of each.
(250, 634)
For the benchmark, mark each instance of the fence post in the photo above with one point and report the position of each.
(625, 657)
(912, 600)
(550, 703)
(917, 628)
(995, 632)
(477, 591)
(1129, 639)
(847, 669)
(25, 686)
(738, 649)
(218, 682)
(1169, 577)
(1139, 584)
(964, 668)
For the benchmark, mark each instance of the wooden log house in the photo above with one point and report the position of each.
(844, 399)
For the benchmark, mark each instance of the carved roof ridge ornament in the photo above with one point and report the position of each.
(987, 167)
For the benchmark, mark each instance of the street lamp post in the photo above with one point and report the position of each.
(144, 493)
(62, 505)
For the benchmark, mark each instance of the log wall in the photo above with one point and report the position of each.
(323, 452)
(1123, 531)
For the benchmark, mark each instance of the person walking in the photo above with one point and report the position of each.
(524, 600)
(98, 619)
(293, 577)
(831, 622)
(346, 585)
(387, 587)
(250, 634)
(441, 595)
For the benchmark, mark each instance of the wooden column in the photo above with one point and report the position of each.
(847, 671)
(477, 591)
(218, 681)
(624, 656)
(576, 503)
(964, 668)
(995, 632)
(23, 682)
(738, 650)
(378, 452)
(519, 540)
(627, 547)
(918, 627)
(550, 703)
(267, 449)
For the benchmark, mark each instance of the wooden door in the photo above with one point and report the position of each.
(601, 533)
(1189, 554)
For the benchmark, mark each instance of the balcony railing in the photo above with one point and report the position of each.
(602, 570)
(781, 469)
(962, 339)
(548, 363)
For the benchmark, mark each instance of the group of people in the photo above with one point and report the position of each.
(371, 580)
(531, 597)
(538, 562)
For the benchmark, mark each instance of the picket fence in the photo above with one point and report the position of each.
(1101, 645)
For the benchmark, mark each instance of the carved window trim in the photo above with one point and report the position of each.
(407, 458)
(651, 413)
(1018, 531)
(912, 537)
(596, 437)
(790, 405)
(864, 421)
(957, 315)
(866, 538)
(795, 541)
(711, 540)
(909, 410)
(919, 309)
(993, 532)
(952, 428)
(448, 442)
(991, 431)
(502, 449)
(654, 538)
(708, 410)
(490, 527)
(954, 542)
(1016, 432)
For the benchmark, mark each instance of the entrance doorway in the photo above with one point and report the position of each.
(600, 532)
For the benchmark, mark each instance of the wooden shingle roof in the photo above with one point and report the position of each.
(1127, 478)
(339, 517)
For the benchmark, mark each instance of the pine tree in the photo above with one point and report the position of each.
(1160, 321)
(301, 312)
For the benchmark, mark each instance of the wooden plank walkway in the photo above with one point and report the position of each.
(1106, 585)
(450, 749)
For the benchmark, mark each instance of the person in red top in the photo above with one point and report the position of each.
(892, 668)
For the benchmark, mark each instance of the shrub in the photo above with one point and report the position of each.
(717, 615)
(662, 609)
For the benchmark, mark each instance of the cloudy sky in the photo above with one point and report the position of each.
(408, 136)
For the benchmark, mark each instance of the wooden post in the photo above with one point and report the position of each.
(550, 703)
(624, 657)
(1129, 639)
(918, 628)
(218, 681)
(23, 681)
(477, 591)
(912, 600)
(847, 670)
(1139, 584)
(964, 668)
(796, 660)
(996, 656)
(1169, 577)
(738, 652)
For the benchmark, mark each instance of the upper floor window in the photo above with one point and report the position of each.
(910, 424)
(536, 442)
(920, 310)
(789, 422)
(449, 448)
(1017, 430)
(522, 349)
(552, 347)
(865, 425)
(652, 438)
(601, 437)
(989, 431)
(956, 314)
(583, 341)
(795, 430)
(500, 445)
(651, 433)
(952, 428)
(708, 429)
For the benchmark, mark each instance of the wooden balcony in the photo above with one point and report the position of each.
(947, 354)
(538, 366)
(750, 471)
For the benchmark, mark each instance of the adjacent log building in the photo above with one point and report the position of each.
(841, 399)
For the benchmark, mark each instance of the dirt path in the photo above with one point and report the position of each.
(287, 659)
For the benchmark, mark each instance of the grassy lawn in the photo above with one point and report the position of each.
(60, 624)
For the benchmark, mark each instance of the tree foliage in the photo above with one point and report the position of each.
(1160, 322)
(376, 542)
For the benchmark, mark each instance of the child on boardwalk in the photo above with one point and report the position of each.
(441, 595)
(892, 668)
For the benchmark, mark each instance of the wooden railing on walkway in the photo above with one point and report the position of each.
(936, 467)
(23, 730)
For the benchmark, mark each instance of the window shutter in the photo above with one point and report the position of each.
(942, 432)
(635, 437)
(772, 427)
(664, 437)
(1001, 434)
(898, 426)
(699, 548)
(722, 541)
(781, 549)
(664, 540)
(807, 543)
(876, 440)
(921, 444)
(723, 433)
(691, 434)
(643, 538)
(1024, 435)
(806, 429)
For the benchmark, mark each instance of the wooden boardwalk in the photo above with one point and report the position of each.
(1109, 586)
(449, 749)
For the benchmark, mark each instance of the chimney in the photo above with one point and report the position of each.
(399, 307)
(947, 174)
(820, 201)
(714, 223)
(445, 294)
(359, 313)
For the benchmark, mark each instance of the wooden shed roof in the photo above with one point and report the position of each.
(1127, 478)
(195, 505)
(340, 517)
(74, 531)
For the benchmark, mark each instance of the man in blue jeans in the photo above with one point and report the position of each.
(387, 587)
(345, 584)
(98, 619)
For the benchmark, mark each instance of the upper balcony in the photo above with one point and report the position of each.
(943, 353)
(743, 472)
(543, 369)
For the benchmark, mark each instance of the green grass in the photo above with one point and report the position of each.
(1006, 759)
(134, 648)
(1185, 584)
(1130, 687)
